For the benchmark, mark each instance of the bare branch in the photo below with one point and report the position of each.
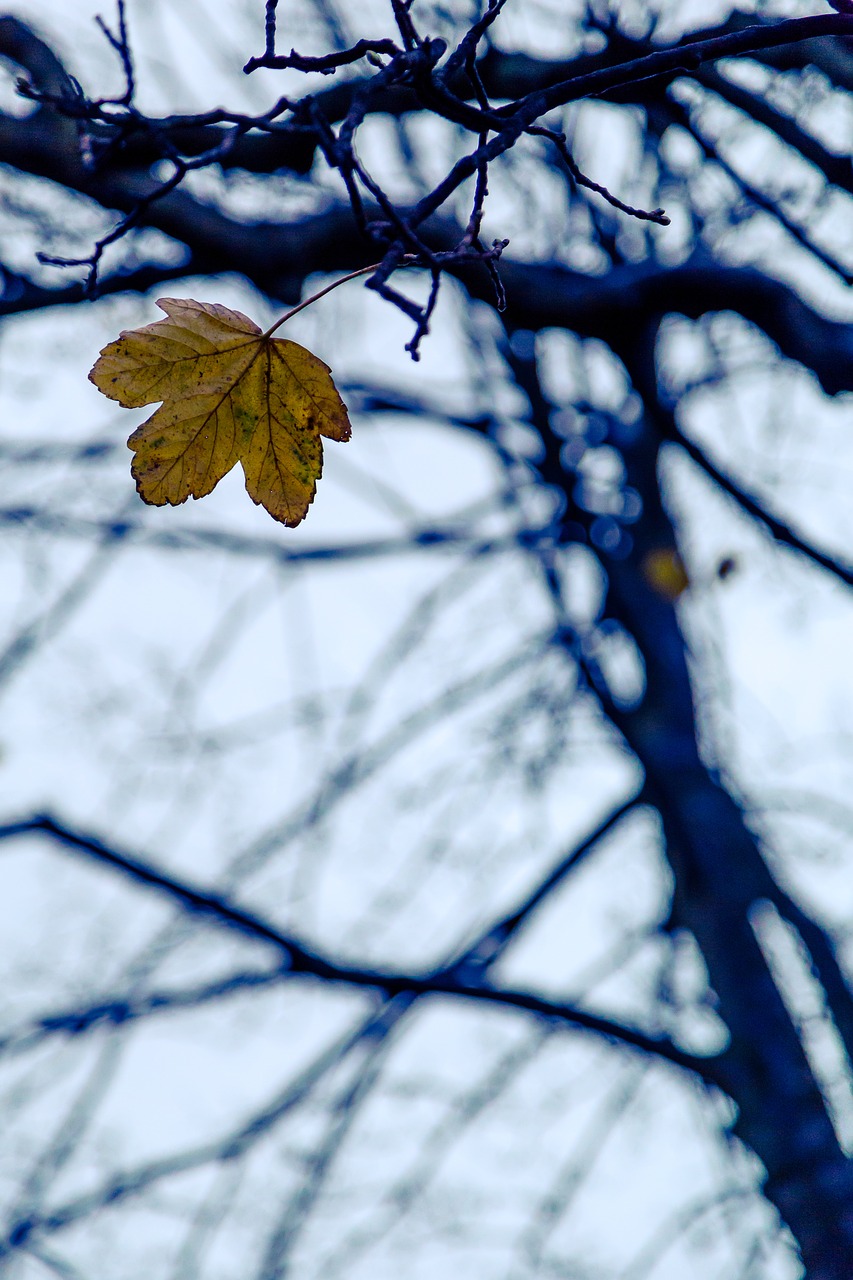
(328, 63)
(302, 960)
(757, 508)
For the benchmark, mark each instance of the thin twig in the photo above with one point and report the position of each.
(321, 293)
(121, 45)
(559, 140)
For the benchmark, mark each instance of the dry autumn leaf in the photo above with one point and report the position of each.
(229, 393)
(664, 571)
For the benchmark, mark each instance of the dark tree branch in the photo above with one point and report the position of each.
(686, 57)
(292, 146)
(418, 61)
(493, 942)
(835, 166)
(559, 140)
(22, 46)
(120, 1009)
(754, 195)
(136, 532)
(302, 960)
(121, 45)
(753, 506)
(720, 874)
(328, 63)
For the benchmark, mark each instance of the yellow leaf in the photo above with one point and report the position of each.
(665, 573)
(229, 393)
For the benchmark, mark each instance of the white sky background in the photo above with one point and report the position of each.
(189, 703)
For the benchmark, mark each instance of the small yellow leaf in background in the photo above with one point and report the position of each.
(229, 393)
(664, 571)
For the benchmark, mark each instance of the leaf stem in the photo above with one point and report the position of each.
(408, 261)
